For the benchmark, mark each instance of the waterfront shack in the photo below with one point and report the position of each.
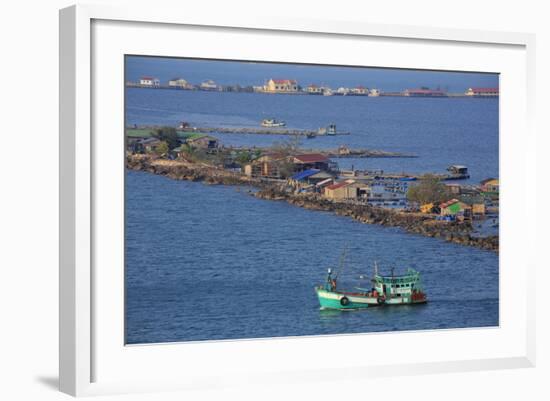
(314, 90)
(391, 193)
(311, 161)
(309, 179)
(454, 188)
(374, 92)
(179, 83)
(424, 92)
(268, 165)
(478, 209)
(359, 91)
(490, 185)
(208, 85)
(201, 141)
(281, 86)
(146, 145)
(347, 190)
(320, 186)
(149, 81)
(482, 92)
(455, 207)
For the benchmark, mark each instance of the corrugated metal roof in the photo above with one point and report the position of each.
(311, 158)
(485, 90)
(338, 185)
(284, 81)
(448, 203)
(304, 174)
(324, 182)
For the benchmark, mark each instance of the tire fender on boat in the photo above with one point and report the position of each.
(344, 301)
(380, 300)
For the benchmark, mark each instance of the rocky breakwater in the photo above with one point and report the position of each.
(459, 233)
(185, 170)
(417, 223)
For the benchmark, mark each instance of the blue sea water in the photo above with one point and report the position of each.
(213, 262)
(440, 132)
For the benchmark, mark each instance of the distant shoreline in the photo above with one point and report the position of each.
(249, 89)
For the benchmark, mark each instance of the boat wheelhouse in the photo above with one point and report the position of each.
(404, 289)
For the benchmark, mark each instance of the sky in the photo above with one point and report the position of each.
(256, 73)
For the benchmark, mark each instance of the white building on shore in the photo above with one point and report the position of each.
(149, 81)
(482, 92)
(209, 85)
(281, 86)
(178, 83)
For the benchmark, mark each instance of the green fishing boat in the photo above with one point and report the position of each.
(392, 289)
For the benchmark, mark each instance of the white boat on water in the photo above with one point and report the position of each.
(330, 130)
(271, 122)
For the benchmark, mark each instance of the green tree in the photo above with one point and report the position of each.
(189, 152)
(162, 148)
(429, 190)
(168, 135)
(243, 157)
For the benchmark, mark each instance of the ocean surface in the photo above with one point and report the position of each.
(213, 262)
(440, 132)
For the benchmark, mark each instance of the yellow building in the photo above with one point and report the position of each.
(427, 208)
(281, 86)
(478, 209)
(490, 185)
(346, 190)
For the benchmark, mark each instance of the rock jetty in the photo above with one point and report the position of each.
(417, 223)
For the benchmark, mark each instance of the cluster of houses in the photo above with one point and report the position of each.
(484, 202)
(181, 83)
(291, 86)
(470, 92)
(288, 86)
(316, 173)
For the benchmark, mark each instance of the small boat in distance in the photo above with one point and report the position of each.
(271, 122)
(405, 289)
(330, 130)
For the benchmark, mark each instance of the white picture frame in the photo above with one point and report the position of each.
(85, 344)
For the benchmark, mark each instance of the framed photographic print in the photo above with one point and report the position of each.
(260, 193)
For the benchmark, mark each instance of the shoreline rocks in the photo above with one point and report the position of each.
(415, 223)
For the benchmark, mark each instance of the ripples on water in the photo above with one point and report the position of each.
(212, 262)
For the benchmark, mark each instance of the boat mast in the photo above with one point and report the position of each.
(341, 263)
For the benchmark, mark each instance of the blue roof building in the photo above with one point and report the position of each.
(302, 175)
